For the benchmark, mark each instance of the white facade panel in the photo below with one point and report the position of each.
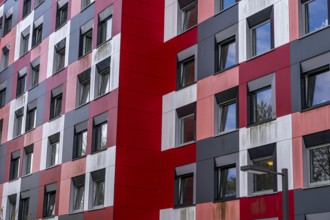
(188, 213)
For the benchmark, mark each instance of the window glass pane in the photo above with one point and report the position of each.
(316, 13)
(187, 129)
(108, 28)
(318, 88)
(2, 97)
(31, 119)
(265, 181)
(14, 168)
(227, 117)
(186, 190)
(227, 55)
(79, 197)
(21, 85)
(24, 209)
(227, 182)
(98, 193)
(50, 205)
(320, 164)
(12, 210)
(262, 105)
(84, 92)
(19, 121)
(262, 39)
(57, 105)
(187, 72)
(28, 163)
(35, 76)
(53, 153)
(189, 16)
(226, 3)
(104, 81)
(81, 144)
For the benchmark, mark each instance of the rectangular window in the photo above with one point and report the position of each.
(34, 76)
(37, 35)
(83, 88)
(261, 38)
(315, 13)
(1, 130)
(100, 136)
(14, 165)
(31, 115)
(24, 208)
(25, 36)
(26, 8)
(56, 103)
(319, 164)
(11, 210)
(226, 182)
(186, 124)
(80, 140)
(8, 24)
(227, 115)
(49, 201)
(104, 26)
(85, 3)
(21, 84)
(62, 13)
(188, 14)
(187, 72)
(224, 4)
(18, 122)
(103, 77)
(86, 38)
(185, 190)
(27, 160)
(59, 56)
(78, 185)
(98, 188)
(264, 182)
(2, 97)
(53, 150)
(227, 54)
(5, 57)
(261, 105)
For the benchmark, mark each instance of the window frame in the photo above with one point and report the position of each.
(38, 2)
(97, 177)
(219, 6)
(5, 57)
(50, 190)
(184, 171)
(184, 7)
(103, 71)
(252, 100)
(3, 97)
(104, 22)
(21, 86)
(27, 8)
(18, 122)
(309, 169)
(23, 207)
(34, 74)
(11, 207)
(25, 38)
(27, 160)
(37, 35)
(220, 64)
(181, 129)
(182, 76)
(14, 165)
(80, 130)
(221, 105)
(53, 156)
(31, 116)
(219, 183)
(61, 10)
(56, 103)
(97, 144)
(254, 38)
(77, 182)
(7, 24)
(181, 114)
(59, 56)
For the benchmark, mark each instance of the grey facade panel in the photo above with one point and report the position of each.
(78, 216)
(3, 151)
(68, 141)
(218, 146)
(30, 182)
(76, 116)
(44, 9)
(37, 93)
(7, 75)
(205, 181)
(295, 88)
(307, 201)
(15, 5)
(206, 58)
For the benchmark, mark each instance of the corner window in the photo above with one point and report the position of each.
(188, 15)
(21, 82)
(18, 122)
(78, 193)
(187, 72)
(2, 97)
(186, 124)
(85, 3)
(14, 165)
(104, 26)
(226, 54)
(27, 160)
(49, 201)
(98, 188)
(315, 14)
(80, 140)
(56, 103)
(102, 77)
(26, 7)
(61, 13)
(31, 115)
(261, 105)
(37, 32)
(34, 73)
(24, 206)
(5, 57)
(83, 87)
(100, 132)
(53, 150)
(86, 38)
(11, 209)
(226, 188)
(59, 56)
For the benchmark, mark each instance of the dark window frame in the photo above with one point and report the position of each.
(220, 58)
(251, 105)
(98, 177)
(179, 194)
(102, 28)
(24, 205)
(37, 35)
(21, 86)
(62, 14)
(49, 201)
(3, 97)
(184, 8)
(27, 7)
(7, 24)
(78, 183)
(181, 77)
(56, 105)
(14, 166)
(219, 184)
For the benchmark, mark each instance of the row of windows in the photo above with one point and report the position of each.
(77, 197)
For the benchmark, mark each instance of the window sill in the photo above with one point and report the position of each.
(182, 32)
(78, 158)
(22, 55)
(260, 123)
(31, 129)
(317, 185)
(223, 10)
(76, 212)
(51, 167)
(224, 70)
(62, 25)
(225, 132)
(225, 199)
(183, 206)
(54, 118)
(100, 96)
(103, 43)
(35, 45)
(82, 105)
(313, 32)
(32, 87)
(58, 71)
(96, 208)
(263, 193)
(26, 175)
(87, 6)
(13, 180)
(315, 107)
(185, 144)
(181, 88)
(84, 55)
(98, 151)
(20, 95)
(259, 55)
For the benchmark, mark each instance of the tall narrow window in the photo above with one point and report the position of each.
(261, 38)
(186, 124)
(185, 190)
(187, 72)
(18, 122)
(62, 13)
(319, 164)
(11, 209)
(2, 97)
(100, 131)
(53, 150)
(27, 160)
(86, 38)
(5, 57)
(37, 31)
(25, 37)
(80, 140)
(56, 102)
(1, 130)
(8, 22)
(261, 105)
(83, 88)
(31, 115)
(26, 7)
(315, 14)
(78, 193)
(24, 206)
(227, 54)
(227, 116)
(98, 188)
(103, 77)
(104, 26)
(21, 82)
(59, 56)
(188, 14)
(226, 182)
(49, 200)
(34, 73)
(14, 165)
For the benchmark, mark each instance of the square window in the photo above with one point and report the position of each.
(188, 14)
(31, 116)
(78, 193)
(49, 201)
(8, 24)
(26, 8)
(226, 54)
(27, 160)
(185, 190)
(80, 142)
(61, 15)
(319, 164)
(83, 88)
(11, 209)
(37, 35)
(14, 165)
(24, 208)
(56, 103)
(186, 72)
(98, 188)
(264, 182)
(104, 26)
(53, 150)
(2, 97)
(315, 13)
(226, 188)
(34, 76)
(18, 122)
(59, 56)
(227, 116)
(261, 105)
(85, 3)
(100, 136)
(21, 81)
(261, 38)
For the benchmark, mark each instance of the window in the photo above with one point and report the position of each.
(185, 190)
(26, 8)
(2, 97)
(62, 13)
(226, 182)
(223, 4)
(25, 36)
(80, 140)
(186, 124)
(103, 77)
(18, 122)
(8, 24)
(187, 72)
(226, 54)
(21, 82)
(31, 115)
(27, 160)
(98, 188)
(37, 31)
(319, 164)
(227, 116)
(24, 206)
(11, 210)
(188, 15)
(261, 105)
(53, 150)
(85, 3)
(59, 56)
(14, 165)
(83, 88)
(86, 36)
(1, 130)
(38, 2)
(315, 14)
(34, 73)
(56, 103)
(100, 131)
(5, 57)
(49, 200)
(78, 193)
(104, 26)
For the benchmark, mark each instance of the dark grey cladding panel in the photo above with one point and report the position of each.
(295, 78)
(7, 75)
(68, 141)
(310, 46)
(37, 91)
(76, 116)
(30, 182)
(33, 205)
(218, 146)
(299, 217)
(205, 181)
(3, 150)
(311, 200)
(44, 9)
(15, 5)
(76, 22)
(78, 216)
(206, 58)
(218, 23)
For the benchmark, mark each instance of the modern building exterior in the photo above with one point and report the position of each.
(147, 109)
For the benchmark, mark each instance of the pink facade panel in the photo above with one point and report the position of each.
(218, 211)
(205, 118)
(294, 19)
(205, 10)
